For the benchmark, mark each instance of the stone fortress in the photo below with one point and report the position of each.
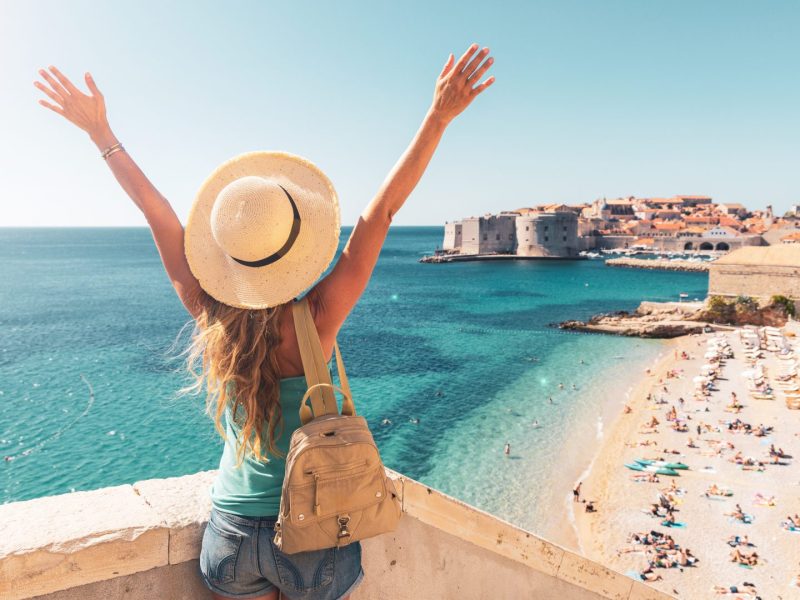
(676, 224)
(535, 234)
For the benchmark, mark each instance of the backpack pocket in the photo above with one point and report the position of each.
(336, 491)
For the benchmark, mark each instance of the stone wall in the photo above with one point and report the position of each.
(760, 282)
(142, 541)
(497, 234)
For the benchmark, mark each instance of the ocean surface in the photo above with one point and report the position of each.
(466, 348)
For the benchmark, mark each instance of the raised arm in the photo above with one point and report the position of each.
(88, 112)
(337, 293)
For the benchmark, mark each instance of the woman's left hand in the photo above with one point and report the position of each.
(87, 112)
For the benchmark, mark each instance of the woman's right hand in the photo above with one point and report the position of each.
(454, 87)
(87, 112)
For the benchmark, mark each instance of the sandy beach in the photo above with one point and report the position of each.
(766, 495)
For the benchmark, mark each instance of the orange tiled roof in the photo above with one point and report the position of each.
(730, 222)
(668, 226)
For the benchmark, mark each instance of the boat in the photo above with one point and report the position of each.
(662, 463)
(652, 469)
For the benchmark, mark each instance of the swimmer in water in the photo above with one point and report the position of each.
(535, 423)
(507, 449)
(561, 386)
(386, 422)
(415, 421)
(550, 399)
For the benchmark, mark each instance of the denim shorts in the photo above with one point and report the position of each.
(239, 559)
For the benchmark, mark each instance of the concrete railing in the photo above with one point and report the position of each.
(142, 541)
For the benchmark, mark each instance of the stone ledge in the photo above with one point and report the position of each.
(181, 509)
(482, 529)
(59, 543)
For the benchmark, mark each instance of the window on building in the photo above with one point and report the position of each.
(546, 238)
(565, 238)
(545, 227)
(527, 228)
(510, 236)
(565, 227)
(497, 236)
(485, 237)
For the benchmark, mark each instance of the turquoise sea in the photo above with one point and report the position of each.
(467, 348)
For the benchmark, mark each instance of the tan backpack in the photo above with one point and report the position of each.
(335, 490)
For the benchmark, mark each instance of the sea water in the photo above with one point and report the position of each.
(88, 369)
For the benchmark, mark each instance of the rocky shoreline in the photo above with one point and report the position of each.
(663, 320)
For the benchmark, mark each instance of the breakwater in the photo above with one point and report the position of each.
(658, 263)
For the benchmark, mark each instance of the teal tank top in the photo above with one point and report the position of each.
(254, 489)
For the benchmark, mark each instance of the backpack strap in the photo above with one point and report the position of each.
(323, 399)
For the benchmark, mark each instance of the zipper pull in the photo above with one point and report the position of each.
(317, 509)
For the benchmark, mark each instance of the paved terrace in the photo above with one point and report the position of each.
(142, 541)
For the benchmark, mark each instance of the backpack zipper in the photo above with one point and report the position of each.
(345, 467)
(315, 471)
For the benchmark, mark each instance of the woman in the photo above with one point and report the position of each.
(236, 270)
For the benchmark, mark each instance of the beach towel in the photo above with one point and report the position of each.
(676, 524)
(634, 575)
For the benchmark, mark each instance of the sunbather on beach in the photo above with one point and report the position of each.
(751, 465)
(745, 588)
(667, 543)
(647, 574)
(744, 559)
(686, 558)
(646, 477)
(737, 540)
(737, 513)
(763, 500)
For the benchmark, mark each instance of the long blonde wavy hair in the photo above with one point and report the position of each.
(233, 353)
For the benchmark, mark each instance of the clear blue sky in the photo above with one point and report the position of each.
(591, 99)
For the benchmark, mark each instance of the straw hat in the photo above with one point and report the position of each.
(263, 227)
